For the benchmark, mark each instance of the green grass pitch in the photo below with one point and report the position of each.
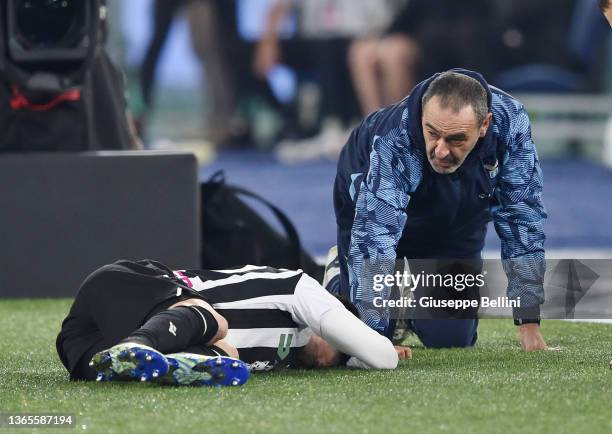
(493, 387)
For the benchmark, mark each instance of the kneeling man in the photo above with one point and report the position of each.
(422, 178)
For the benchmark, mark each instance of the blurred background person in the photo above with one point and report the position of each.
(163, 13)
(606, 8)
(325, 28)
(426, 36)
(213, 35)
(565, 52)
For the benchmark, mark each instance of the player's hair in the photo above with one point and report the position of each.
(604, 5)
(456, 91)
(343, 357)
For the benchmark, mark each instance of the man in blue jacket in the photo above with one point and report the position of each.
(422, 178)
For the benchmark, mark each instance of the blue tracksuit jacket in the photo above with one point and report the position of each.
(389, 202)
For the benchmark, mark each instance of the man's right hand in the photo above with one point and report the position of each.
(403, 352)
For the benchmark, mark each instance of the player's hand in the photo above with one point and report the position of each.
(403, 352)
(531, 337)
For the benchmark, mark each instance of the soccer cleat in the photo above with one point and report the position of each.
(129, 361)
(199, 370)
(101, 362)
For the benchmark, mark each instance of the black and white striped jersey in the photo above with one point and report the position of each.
(271, 313)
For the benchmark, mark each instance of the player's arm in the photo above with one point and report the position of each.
(519, 222)
(379, 220)
(368, 349)
(327, 317)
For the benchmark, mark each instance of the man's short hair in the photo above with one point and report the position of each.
(456, 91)
(604, 5)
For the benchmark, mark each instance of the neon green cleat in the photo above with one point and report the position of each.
(129, 361)
(199, 370)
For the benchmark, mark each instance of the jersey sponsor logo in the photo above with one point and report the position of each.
(172, 328)
(284, 345)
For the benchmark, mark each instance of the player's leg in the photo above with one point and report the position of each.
(76, 343)
(134, 315)
(110, 303)
(121, 300)
(199, 362)
(183, 324)
(141, 354)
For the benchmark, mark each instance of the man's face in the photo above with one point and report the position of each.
(318, 353)
(449, 136)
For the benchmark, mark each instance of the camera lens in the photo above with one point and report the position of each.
(50, 23)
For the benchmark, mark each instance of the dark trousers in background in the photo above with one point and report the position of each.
(163, 15)
(214, 37)
(325, 60)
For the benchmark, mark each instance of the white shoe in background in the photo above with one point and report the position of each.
(332, 266)
(326, 145)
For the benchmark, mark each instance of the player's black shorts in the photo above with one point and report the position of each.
(111, 303)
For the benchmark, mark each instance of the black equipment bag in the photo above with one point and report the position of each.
(233, 234)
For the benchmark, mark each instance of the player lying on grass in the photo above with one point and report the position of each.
(143, 321)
